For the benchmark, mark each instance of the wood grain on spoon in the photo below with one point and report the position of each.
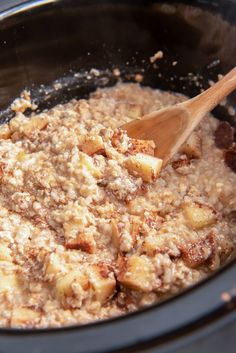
(170, 127)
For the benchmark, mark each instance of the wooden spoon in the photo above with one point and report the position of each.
(170, 127)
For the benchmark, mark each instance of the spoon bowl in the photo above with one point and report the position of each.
(170, 127)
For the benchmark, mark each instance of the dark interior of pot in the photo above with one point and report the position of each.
(54, 41)
(51, 42)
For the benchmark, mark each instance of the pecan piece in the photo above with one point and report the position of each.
(224, 135)
(230, 159)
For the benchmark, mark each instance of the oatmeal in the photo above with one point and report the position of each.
(91, 227)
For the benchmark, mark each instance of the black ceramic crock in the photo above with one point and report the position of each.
(47, 41)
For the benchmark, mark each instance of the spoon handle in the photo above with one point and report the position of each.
(208, 100)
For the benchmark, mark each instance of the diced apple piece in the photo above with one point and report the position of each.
(16, 123)
(64, 284)
(8, 282)
(193, 147)
(87, 162)
(198, 215)
(125, 239)
(136, 206)
(141, 146)
(5, 132)
(74, 236)
(84, 242)
(53, 266)
(144, 166)
(73, 226)
(28, 126)
(2, 167)
(137, 273)
(5, 253)
(93, 145)
(150, 245)
(103, 282)
(21, 156)
(134, 110)
(115, 233)
(35, 123)
(196, 254)
(21, 316)
(134, 226)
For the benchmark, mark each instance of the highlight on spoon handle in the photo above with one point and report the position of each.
(209, 99)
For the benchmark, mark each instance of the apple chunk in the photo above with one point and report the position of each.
(8, 282)
(93, 145)
(137, 273)
(102, 281)
(198, 215)
(24, 316)
(144, 166)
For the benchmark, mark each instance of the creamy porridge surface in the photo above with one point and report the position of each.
(85, 234)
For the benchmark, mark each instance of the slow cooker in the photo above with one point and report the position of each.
(44, 42)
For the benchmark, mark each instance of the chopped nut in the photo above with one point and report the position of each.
(198, 215)
(137, 273)
(224, 135)
(230, 159)
(144, 166)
